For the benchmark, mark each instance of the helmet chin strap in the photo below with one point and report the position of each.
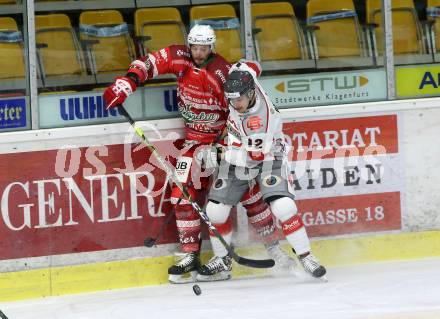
(252, 100)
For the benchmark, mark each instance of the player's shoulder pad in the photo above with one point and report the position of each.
(180, 51)
(219, 67)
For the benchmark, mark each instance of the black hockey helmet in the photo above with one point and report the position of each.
(238, 84)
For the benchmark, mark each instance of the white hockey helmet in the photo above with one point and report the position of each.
(202, 34)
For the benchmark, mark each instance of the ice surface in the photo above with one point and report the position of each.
(395, 290)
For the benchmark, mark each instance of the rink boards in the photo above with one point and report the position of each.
(74, 216)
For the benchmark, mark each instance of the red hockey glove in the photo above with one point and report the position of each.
(117, 93)
(139, 70)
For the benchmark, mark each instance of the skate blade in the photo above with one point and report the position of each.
(321, 279)
(183, 279)
(216, 277)
(302, 275)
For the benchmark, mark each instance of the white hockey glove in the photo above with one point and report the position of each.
(209, 156)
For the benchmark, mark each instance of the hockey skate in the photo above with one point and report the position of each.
(312, 266)
(185, 270)
(217, 268)
(282, 260)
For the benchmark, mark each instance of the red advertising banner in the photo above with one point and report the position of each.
(348, 214)
(91, 199)
(351, 214)
(343, 137)
(347, 174)
(79, 200)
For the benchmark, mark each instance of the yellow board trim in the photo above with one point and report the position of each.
(153, 271)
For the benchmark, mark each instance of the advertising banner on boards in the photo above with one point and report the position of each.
(326, 88)
(418, 81)
(13, 113)
(72, 109)
(346, 173)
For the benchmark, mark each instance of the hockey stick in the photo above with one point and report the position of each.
(150, 241)
(265, 263)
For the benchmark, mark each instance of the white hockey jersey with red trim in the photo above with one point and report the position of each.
(256, 135)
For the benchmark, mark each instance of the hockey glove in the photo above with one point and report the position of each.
(117, 93)
(209, 156)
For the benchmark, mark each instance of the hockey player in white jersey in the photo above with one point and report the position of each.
(256, 152)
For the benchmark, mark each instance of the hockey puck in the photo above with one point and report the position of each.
(197, 290)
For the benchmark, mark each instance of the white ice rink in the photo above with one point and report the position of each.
(398, 290)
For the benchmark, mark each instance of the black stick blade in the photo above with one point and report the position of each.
(149, 242)
(254, 263)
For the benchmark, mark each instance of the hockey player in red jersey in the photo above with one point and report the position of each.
(201, 74)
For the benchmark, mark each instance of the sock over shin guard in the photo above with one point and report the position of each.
(293, 228)
(188, 227)
(260, 217)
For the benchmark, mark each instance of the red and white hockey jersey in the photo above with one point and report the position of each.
(200, 91)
